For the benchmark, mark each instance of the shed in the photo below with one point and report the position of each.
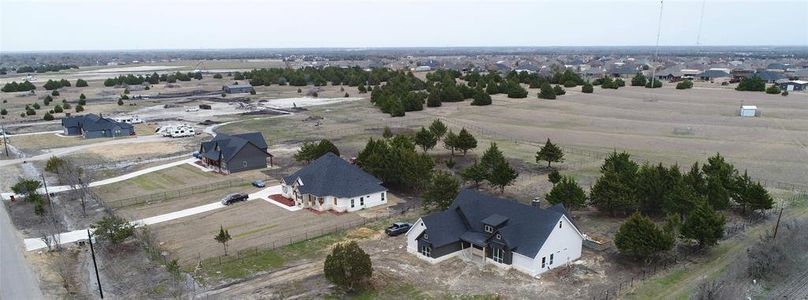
(237, 88)
(748, 110)
(793, 85)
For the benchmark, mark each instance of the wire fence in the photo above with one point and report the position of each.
(686, 256)
(242, 254)
(177, 193)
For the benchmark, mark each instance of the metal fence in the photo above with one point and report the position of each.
(240, 255)
(177, 193)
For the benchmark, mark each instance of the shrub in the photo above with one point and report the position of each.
(656, 83)
(683, 85)
(57, 108)
(620, 82)
(347, 265)
(570, 83)
(587, 88)
(66, 105)
(79, 108)
(774, 89)
(785, 93)
(3, 112)
(559, 90)
(641, 239)
(120, 101)
(81, 83)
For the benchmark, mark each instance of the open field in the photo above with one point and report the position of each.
(160, 181)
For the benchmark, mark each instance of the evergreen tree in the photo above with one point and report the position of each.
(704, 225)
(465, 141)
(481, 98)
(773, 89)
(656, 83)
(450, 142)
(79, 108)
(3, 112)
(82, 97)
(619, 82)
(426, 139)
(442, 190)
(616, 190)
(438, 128)
(587, 88)
(751, 194)
(387, 133)
(502, 175)
(554, 177)
(567, 192)
(754, 83)
(547, 92)
(638, 80)
(685, 84)
(223, 237)
(641, 239)
(717, 168)
(558, 90)
(550, 153)
(476, 173)
(120, 101)
(717, 195)
(347, 265)
(48, 117)
(57, 108)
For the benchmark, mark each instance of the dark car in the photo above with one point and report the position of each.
(397, 228)
(259, 183)
(233, 198)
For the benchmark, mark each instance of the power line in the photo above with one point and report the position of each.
(656, 50)
(701, 22)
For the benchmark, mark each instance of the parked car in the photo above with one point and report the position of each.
(196, 154)
(259, 183)
(233, 198)
(192, 109)
(397, 228)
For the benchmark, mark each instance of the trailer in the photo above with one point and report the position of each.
(175, 131)
(128, 119)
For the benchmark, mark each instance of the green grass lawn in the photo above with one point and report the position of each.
(163, 180)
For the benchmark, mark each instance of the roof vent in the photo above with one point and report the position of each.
(536, 202)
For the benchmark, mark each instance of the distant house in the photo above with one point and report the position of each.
(793, 85)
(235, 153)
(769, 76)
(501, 232)
(237, 88)
(422, 69)
(95, 126)
(330, 182)
(715, 74)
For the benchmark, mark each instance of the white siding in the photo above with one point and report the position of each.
(412, 234)
(564, 243)
(361, 202)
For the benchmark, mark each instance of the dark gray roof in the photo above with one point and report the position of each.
(93, 122)
(229, 145)
(330, 175)
(769, 76)
(714, 74)
(495, 220)
(525, 231)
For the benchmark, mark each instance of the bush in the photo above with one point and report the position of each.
(774, 89)
(82, 102)
(347, 265)
(3, 112)
(641, 239)
(785, 93)
(217, 76)
(558, 90)
(754, 84)
(587, 88)
(36, 106)
(55, 93)
(79, 108)
(30, 112)
(639, 80)
(656, 83)
(570, 83)
(120, 101)
(113, 229)
(683, 85)
(81, 83)
(620, 82)
(57, 108)
(82, 97)
(66, 105)
(547, 92)
(252, 91)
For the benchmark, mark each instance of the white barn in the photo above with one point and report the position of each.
(331, 183)
(497, 231)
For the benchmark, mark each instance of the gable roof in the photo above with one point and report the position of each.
(230, 145)
(93, 122)
(525, 231)
(330, 175)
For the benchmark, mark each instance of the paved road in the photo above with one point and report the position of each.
(17, 281)
(80, 235)
(66, 150)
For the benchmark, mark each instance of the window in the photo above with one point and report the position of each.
(244, 163)
(488, 228)
(361, 201)
(551, 259)
(382, 196)
(335, 201)
(426, 251)
(559, 223)
(352, 203)
(497, 255)
(426, 236)
(543, 259)
(499, 236)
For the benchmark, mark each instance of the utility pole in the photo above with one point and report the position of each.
(95, 266)
(45, 184)
(774, 236)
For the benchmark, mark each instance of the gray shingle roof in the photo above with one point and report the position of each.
(525, 231)
(230, 145)
(330, 175)
(93, 122)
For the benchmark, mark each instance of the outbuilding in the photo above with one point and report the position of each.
(748, 110)
(237, 88)
(793, 85)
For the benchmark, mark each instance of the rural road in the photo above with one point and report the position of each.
(66, 150)
(17, 280)
(79, 235)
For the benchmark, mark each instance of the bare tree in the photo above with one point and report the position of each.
(78, 180)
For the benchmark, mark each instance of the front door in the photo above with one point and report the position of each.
(497, 255)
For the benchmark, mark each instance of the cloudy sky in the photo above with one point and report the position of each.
(36, 25)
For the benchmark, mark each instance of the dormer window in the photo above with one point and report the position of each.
(488, 228)
(499, 236)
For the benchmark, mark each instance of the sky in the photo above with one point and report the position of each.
(51, 25)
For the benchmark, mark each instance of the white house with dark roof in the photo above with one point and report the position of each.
(330, 182)
(497, 231)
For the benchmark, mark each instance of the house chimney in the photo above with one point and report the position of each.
(536, 202)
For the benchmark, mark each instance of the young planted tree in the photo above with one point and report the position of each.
(685, 84)
(752, 195)
(773, 89)
(502, 175)
(704, 225)
(616, 190)
(438, 129)
(465, 141)
(426, 139)
(587, 88)
(311, 151)
(550, 153)
(641, 239)
(638, 80)
(653, 83)
(554, 177)
(223, 237)
(476, 173)
(558, 90)
(450, 142)
(348, 265)
(81, 83)
(567, 192)
(441, 191)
